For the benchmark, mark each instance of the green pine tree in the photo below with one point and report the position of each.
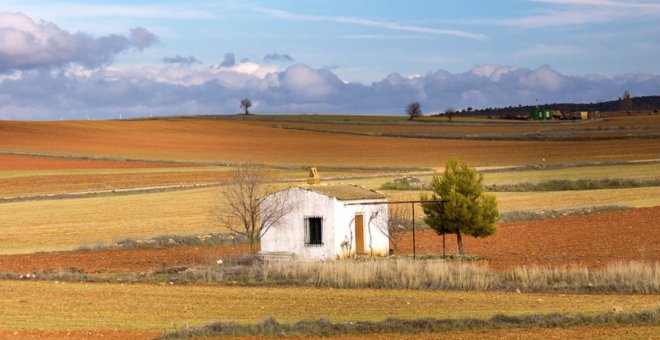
(468, 210)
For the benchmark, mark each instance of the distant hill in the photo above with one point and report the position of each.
(639, 103)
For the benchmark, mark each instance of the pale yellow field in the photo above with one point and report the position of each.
(635, 197)
(71, 223)
(53, 305)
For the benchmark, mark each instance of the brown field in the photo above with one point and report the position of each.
(236, 141)
(591, 241)
(119, 261)
(31, 185)
(23, 162)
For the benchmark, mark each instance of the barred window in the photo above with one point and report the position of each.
(314, 230)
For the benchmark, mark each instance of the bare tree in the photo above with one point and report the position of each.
(246, 104)
(450, 112)
(397, 224)
(249, 205)
(626, 102)
(414, 110)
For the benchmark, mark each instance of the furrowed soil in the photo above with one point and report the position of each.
(120, 260)
(236, 141)
(592, 241)
(23, 162)
(55, 184)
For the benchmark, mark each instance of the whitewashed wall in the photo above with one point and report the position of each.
(375, 240)
(338, 225)
(289, 234)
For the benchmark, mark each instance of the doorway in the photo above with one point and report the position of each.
(359, 234)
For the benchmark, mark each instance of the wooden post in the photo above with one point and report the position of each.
(412, 205)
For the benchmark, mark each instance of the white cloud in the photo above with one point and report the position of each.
(542, 50)
(308, 84)
(25, 44)
(492, 72)
(581, 12)
(388, 25)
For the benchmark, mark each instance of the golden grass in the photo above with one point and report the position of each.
(70, 223)
(52, 305)
(557, 200)
(108, 171)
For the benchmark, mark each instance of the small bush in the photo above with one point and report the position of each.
(406, 183)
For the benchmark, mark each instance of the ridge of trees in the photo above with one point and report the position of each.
(638, 103)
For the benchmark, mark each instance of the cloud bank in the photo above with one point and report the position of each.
(185, 90)
(25, 44)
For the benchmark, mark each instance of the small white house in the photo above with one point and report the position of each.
(330, 222)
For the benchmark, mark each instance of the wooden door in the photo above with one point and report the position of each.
(359, 234)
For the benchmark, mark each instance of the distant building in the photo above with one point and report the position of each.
(538, 113)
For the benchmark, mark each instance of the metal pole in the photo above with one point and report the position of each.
(412, 204)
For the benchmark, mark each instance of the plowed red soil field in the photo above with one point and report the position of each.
(119, 261)
(235, 141)
(592, 241)
(77, 183)
(20, 162)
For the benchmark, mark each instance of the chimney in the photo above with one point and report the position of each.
(313, 177)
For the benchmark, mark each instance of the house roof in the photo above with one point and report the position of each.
(346, 192)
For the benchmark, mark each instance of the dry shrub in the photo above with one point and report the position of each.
(393, 274)
(635, 277)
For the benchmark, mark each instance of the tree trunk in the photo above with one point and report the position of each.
(459, 241)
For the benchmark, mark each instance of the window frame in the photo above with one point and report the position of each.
(309, 242)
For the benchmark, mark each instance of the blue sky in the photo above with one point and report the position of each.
(322, 56)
